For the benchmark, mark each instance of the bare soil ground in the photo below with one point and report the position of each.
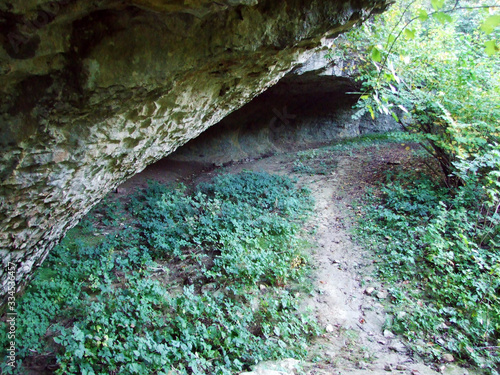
(347, 300)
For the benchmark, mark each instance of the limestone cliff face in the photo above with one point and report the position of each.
(309, 106)
(93, 91)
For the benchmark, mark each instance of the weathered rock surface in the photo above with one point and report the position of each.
(93, 91)
(310, 105)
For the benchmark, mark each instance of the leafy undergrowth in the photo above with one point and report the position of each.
(439, 249)
(315, 161)
(110, 305)
(324, 160)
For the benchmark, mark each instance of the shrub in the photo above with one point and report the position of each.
(247, 223)
(97, 308)
(441, 254)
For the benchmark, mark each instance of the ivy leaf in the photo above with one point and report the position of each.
(442, 17)
(79, 352)
(376, 54)
(491, 47)
(410, 34)
(422, 14)
(490, 24)
(78, 334)
(437, 4)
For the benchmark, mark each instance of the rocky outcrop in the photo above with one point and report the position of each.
(310, 106)
(93, 91)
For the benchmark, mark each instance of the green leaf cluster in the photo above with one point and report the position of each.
(246, 224)
(102, 306)
(432, 68)
(440, 251)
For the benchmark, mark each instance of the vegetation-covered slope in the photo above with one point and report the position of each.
(196, 282)
(435, 66)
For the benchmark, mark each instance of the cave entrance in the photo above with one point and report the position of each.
(311, 106)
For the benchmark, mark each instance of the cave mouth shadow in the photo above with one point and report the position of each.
(300, 111)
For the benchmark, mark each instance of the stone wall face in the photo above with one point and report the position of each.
(92, 92)
(312, 105)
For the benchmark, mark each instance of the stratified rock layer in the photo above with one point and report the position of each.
(93, 91)
(310, 106)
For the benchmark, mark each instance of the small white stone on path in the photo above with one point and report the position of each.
(388, 334)
(448, 358)
(369, 290)
(381, 295)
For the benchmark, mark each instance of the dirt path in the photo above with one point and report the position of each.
(353, 314)
(347, 301)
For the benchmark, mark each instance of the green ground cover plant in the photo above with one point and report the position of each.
(434, 67)
(439, 252)
(98, 306)
(324, 160)
(314, 162)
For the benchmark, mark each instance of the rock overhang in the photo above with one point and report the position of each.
(92, 92)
